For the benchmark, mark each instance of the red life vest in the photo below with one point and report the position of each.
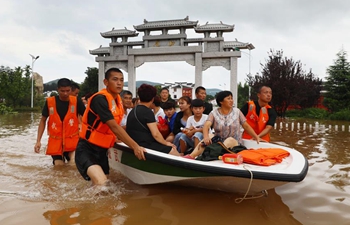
(99, 133)
(264, 156)
(63, 135)
(258, 123)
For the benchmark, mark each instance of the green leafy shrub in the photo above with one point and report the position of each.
(4, 109)
(341, 115)
(312, 113)
(315, 113)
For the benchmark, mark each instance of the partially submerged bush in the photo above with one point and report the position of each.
(4, 109)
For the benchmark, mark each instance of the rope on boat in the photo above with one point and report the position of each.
(239, 200)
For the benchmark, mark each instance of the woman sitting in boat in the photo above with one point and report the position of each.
(226, 122)
(181, 119)
(157, 110)
(141, 124)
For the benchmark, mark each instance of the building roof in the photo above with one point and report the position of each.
(119, 33)
(214, 27)
(160, 24)
(238, 44)
(100, 50)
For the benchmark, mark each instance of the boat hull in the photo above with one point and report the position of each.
(216, 175)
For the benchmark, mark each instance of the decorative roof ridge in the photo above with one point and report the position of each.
(185, 19)
(101, 48)
(214, 27)
(236, 43)
(115, 32)
(160, 23)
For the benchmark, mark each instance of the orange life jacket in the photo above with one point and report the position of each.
(63, 135)
(258, 123)
(99, 133)
(264, 156)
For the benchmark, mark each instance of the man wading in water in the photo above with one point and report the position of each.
(63, 124)
(100, 126)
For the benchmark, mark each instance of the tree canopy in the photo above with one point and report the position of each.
(337, 86)
(289, 83)
(90, 84)
(243, 94)
(15, 86)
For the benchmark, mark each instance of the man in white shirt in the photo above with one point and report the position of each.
(127, 105)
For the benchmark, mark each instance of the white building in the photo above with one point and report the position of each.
(179, 89)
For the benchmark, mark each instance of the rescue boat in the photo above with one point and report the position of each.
(216, 175)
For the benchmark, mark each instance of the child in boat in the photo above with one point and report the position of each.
(181, 118)
(170, 115)
(159, 115)
(193, 132)
(226, 121)
(157, 110)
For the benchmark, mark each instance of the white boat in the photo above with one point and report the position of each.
(216, 175)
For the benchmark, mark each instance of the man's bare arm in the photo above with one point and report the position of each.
(123, 136)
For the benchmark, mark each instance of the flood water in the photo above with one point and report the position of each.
(33, 192)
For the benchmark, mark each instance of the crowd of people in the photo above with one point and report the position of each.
(81, 130)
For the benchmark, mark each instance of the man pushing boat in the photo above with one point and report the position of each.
(100, 127)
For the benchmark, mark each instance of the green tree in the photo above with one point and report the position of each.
(52, 86)
(243, 94)
(289, 83)
(208, 98)
(310, 91)
(158, 87)
(337, 96)
(90, 84)
(4, 71)
(15, 86)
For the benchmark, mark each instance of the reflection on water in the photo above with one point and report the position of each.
(166, 204)
(47, 195)
(13, 124)
(324, 193)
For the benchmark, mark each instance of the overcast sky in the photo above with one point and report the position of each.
(63, 32)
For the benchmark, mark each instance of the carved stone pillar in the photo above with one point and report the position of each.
(233, 79)
(198, 71)
(101, 74)
(131, 75)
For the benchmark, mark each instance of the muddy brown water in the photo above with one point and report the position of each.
(33, 192)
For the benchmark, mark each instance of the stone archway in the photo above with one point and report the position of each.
(199, 52)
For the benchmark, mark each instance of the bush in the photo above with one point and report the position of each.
(315, 113)
(294, 113)
(4, 109)
(341, 115)
(312, 113)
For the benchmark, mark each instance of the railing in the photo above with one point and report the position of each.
(316, 127)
